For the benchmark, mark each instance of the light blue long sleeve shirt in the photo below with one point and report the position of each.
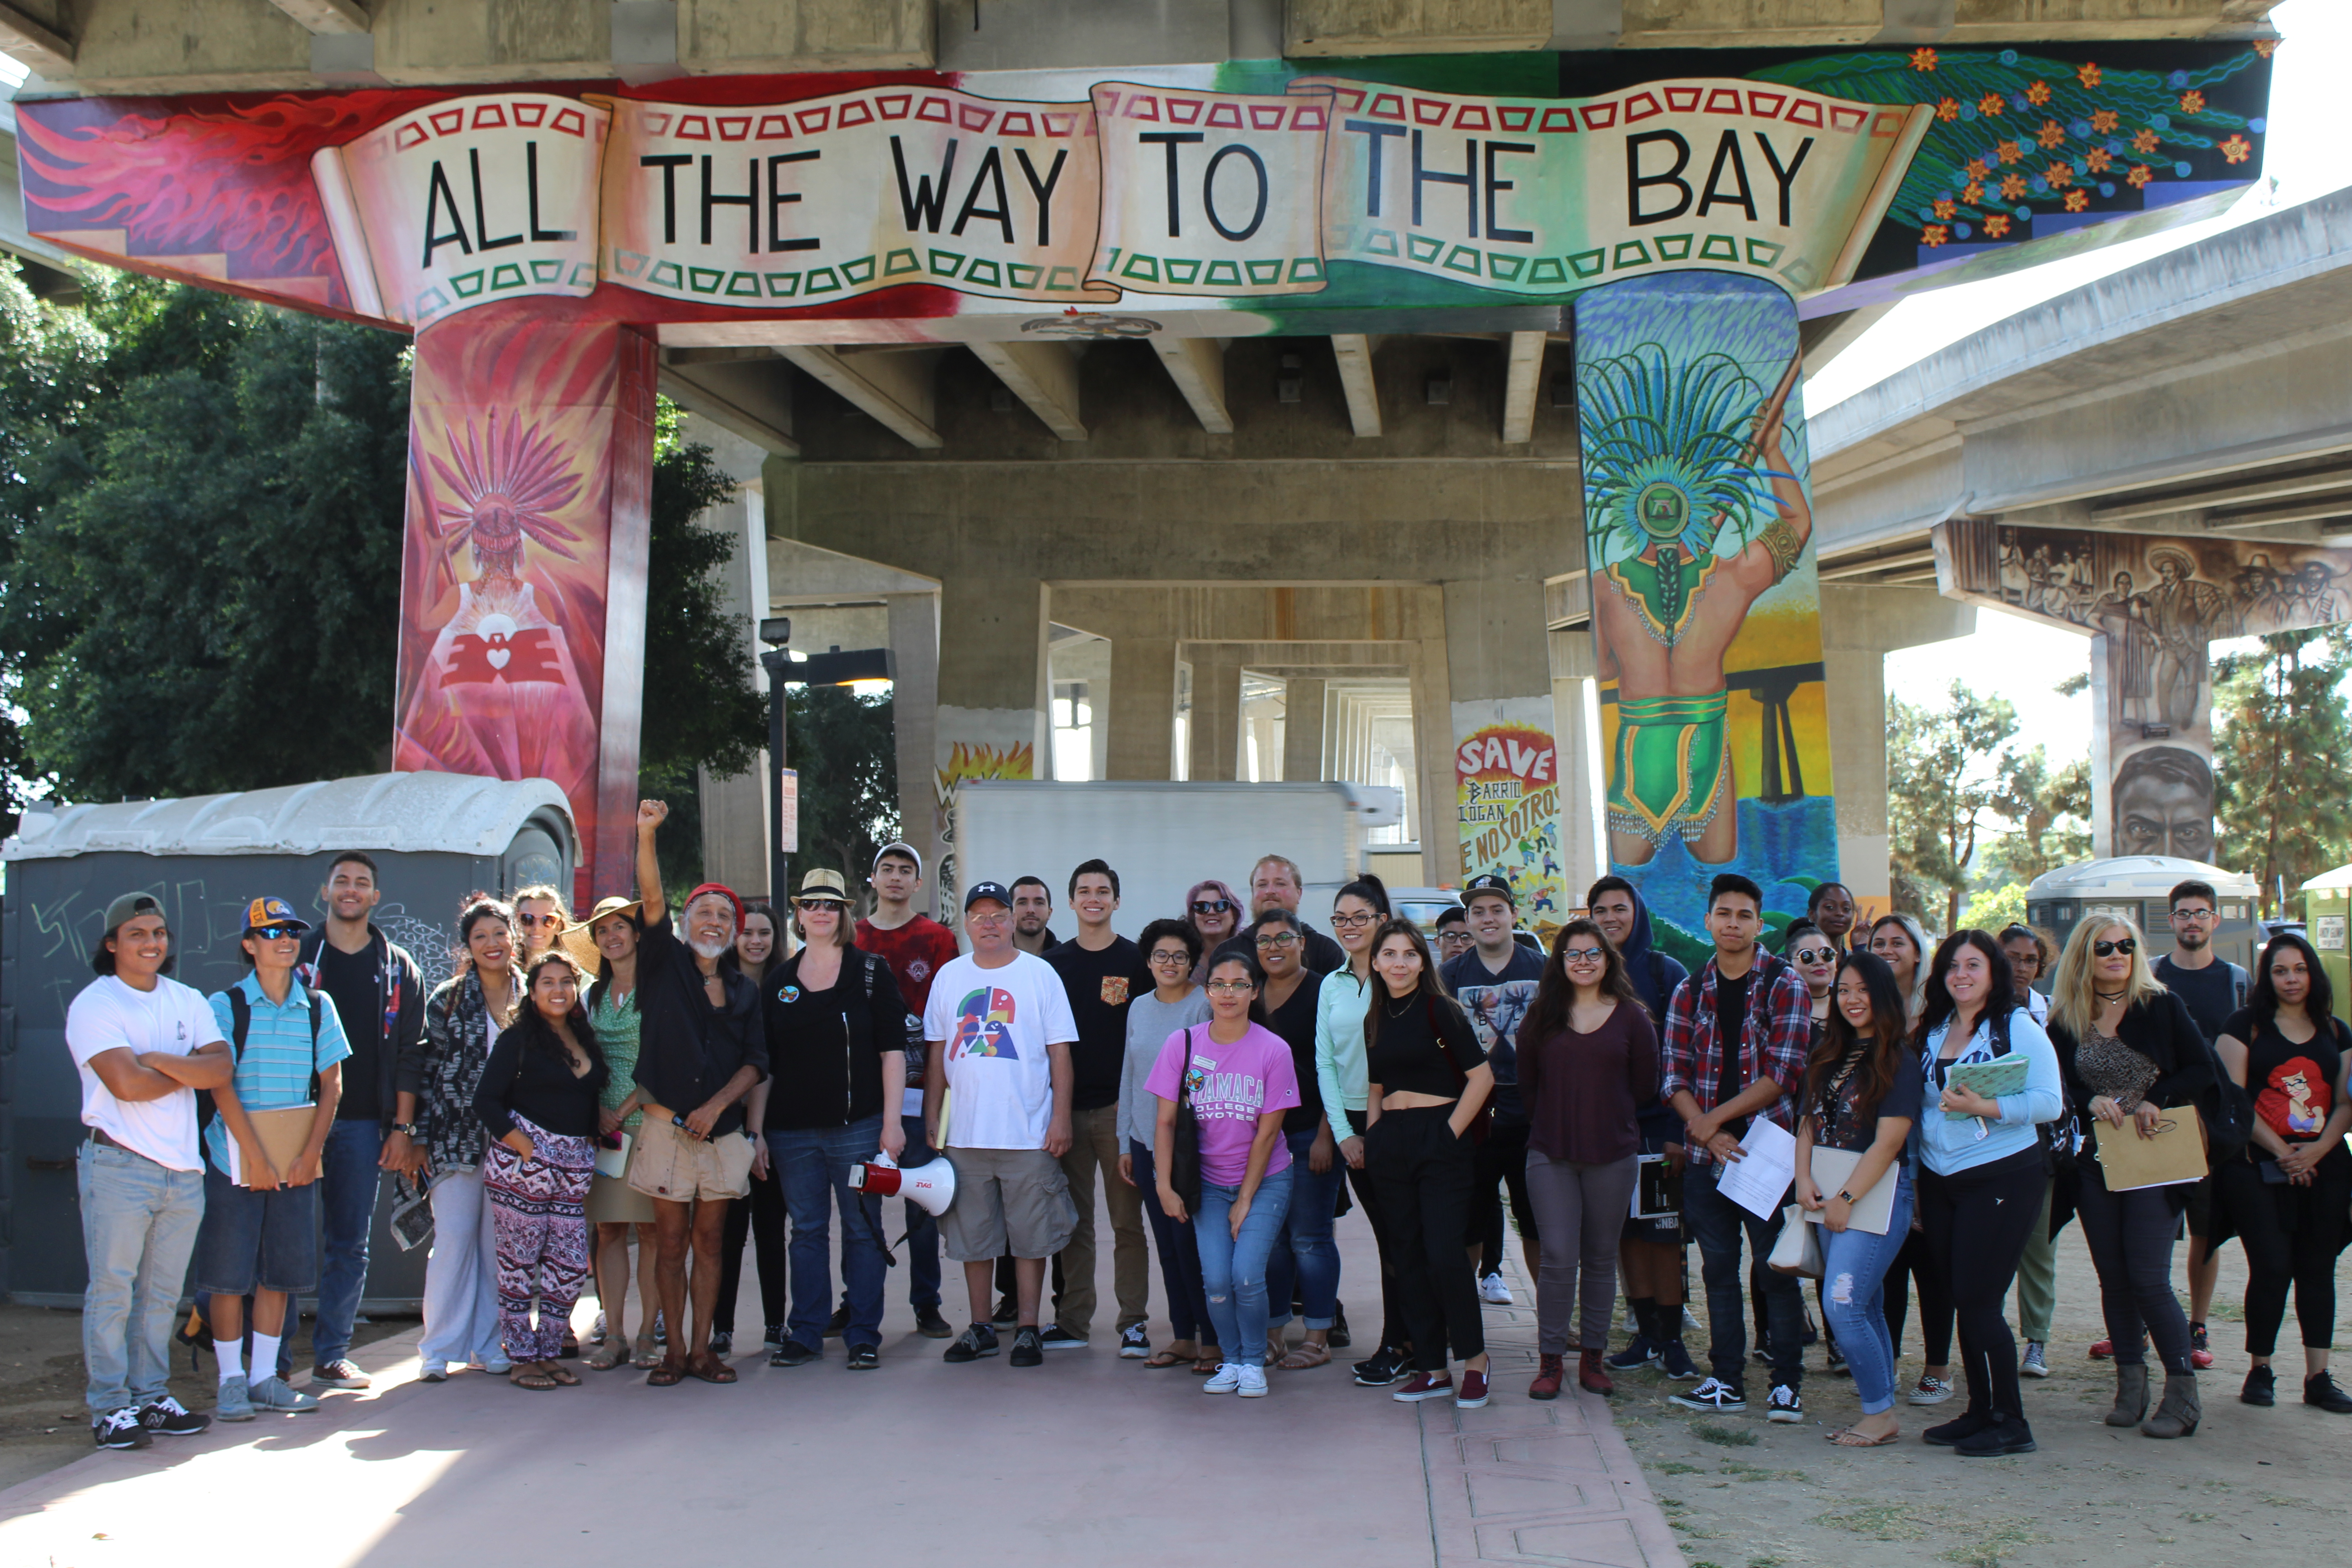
(1339, 1076)
(1948, 1147)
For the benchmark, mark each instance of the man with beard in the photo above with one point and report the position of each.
(703, 1045)
(2214, 988)
(1032, 906)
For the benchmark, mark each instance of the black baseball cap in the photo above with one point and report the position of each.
(996, 891)
(1489, 883)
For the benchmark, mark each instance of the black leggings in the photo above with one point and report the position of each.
(1422, 1172)
(2130, 1237)
(2292, 1235)
(1935, 1302)
(1503, 1158)
(1978, 1222)
(1394, 1335)
(761, 1217)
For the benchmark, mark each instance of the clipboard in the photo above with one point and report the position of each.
(2175, 1154)
(1656, 1193)
(1874, 1210)
(282, 1132)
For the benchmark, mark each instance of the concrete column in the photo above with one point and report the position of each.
(914, 716)
(1141, 723)
(991, 697)
(1572, 673)
(1499, 682)
(735, 810)
(1216, 711)
(1432, 744)
(1302, 733)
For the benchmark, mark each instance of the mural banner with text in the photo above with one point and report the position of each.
(1507, 800)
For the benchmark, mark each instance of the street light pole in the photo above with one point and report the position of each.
(776, 632)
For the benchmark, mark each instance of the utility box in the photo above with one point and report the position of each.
(434, 838)
(1162, 838)
(2327, 903)
(2138, 886)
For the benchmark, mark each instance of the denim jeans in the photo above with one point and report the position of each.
(922, 1229)
(349, 1177)
(1854, 1299)
(1233, 1268)
(1716, 1223)
(814, 1165)
(139, 1223)
(461, 1278)
(1179, 1259)
(1306, 1256)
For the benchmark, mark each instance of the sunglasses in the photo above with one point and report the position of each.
(819, 904)
(1212, 906)
(546, 920)
(2124, 945)
(1815, 956)
(275, 934)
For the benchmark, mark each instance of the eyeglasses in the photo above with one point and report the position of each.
(1212, 906)
(546, 920)
(1231, 987)
(2123, 945)
(1171, 955)
(1815, 956)
(2193, 916)
(1583, 954)
(997, 919)
(1349, 922)
(275, 934)
(1279, 939)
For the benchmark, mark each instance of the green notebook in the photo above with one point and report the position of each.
(2000, 1076)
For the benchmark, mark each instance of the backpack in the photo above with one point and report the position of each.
(2057, 1139)
(240, 1019)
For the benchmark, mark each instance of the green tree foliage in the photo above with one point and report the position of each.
(2282, 752)
(2049, 812)
(845, 750)
(1939, 793)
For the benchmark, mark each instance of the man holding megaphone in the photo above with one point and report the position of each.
(996, 1099)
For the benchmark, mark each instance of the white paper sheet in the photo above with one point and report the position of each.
(1759, 1184)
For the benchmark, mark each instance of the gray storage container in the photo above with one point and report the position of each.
(434, 836)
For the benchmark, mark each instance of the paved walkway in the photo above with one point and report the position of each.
(1088, 1459)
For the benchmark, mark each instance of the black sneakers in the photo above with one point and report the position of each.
(932, 1326)
(2008, 1435)
(1384, 1366)
(2319, 1389)
(2262, 1387)
(167, 1417)
(1028, 1347)
(1007, 1313)
(974, 1342)
(1958, 1430)
(864, 1357)
(119, 1429)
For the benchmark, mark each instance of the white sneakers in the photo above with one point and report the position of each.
(1253, 1383)
(1494, 1293)
(1233, 1377)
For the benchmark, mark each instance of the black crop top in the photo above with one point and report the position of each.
(1406, 1057)
(540, 1086)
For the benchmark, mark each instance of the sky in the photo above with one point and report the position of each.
(2308, 154)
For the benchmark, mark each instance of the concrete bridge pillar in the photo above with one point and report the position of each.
(992, 704)
(1504, 810)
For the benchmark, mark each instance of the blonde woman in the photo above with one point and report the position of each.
(541, 915)
(2131, 1052)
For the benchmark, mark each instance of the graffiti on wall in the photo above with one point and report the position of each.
(2151, 602)
(1507, 800)
(965, 761)
(1705, 600)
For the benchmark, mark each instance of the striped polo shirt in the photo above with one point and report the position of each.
(274, 1069)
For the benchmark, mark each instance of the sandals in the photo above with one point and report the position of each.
(1207, 1365)
(667, 1372)
(1847, 1437)
(526, 1375)
(1160, 1359)
(562, 1374)
(607, 1356)
(708, 1368)
(644, 1353)
(1304, 1355)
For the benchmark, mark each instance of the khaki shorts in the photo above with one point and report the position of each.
(1007, 1200)
(664, 1163)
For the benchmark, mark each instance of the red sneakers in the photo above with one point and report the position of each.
(1473, 1392)
(1591, 1377)
(1549, 1377)
(1423, 1386)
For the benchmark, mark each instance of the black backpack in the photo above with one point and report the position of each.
(240, 1021)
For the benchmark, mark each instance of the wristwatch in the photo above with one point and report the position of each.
(405, 1128)
(1846, 1198)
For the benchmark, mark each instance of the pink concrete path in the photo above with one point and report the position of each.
(1087, 1459)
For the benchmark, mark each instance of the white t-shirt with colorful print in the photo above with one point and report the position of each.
(995, 1026)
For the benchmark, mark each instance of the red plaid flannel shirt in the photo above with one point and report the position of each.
(1780, 1014)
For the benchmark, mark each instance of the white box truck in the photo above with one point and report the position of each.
(1162, 838)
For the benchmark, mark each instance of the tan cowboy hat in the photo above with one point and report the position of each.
(581, 947)
(823, 883)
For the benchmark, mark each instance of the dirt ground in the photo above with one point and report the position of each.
(2252, 1488)
(42, 1422)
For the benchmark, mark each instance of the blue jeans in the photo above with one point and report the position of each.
(922, 1230)
(1233, 1268)
(813, 1163)
(1180, 1259)
(1716, 1223)
(348, 1182)
(139, 1223)
(1307, 1257)
(1854, 1299)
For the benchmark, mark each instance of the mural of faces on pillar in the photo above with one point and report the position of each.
(2153, 602)
(1706, 602)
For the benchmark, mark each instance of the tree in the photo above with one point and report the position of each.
(2283, 751)
(2050, 810)
(844, 748)
(1937, 794)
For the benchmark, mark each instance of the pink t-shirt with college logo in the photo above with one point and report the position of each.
(1232, 1085)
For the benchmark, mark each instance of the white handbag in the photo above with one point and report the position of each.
(1798, 1249)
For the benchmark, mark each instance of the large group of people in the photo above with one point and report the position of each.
(630, 1091)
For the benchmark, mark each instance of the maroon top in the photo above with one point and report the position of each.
(1581, 1090)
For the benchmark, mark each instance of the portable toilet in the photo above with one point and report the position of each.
(2327, 900)
(2138, 886)
(434, 838)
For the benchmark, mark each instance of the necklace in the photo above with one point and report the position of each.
(1398, 1012)
(2109, 995)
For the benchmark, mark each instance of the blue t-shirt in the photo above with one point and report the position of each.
(274, 1069)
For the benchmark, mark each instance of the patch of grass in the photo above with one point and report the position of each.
(1727, 1436)
(2222, 1312)
(1998, 1538)
(1764, 1562)
(2196, 1518)
(1676, 1467)
(1881, 1521)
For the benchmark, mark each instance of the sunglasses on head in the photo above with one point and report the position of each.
(2122, 944)
(274, 933)
(1210, 906)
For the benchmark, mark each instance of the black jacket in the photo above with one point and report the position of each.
(399, 1020)
(2161, 1029)
(687, 1049)
(824, 1051)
